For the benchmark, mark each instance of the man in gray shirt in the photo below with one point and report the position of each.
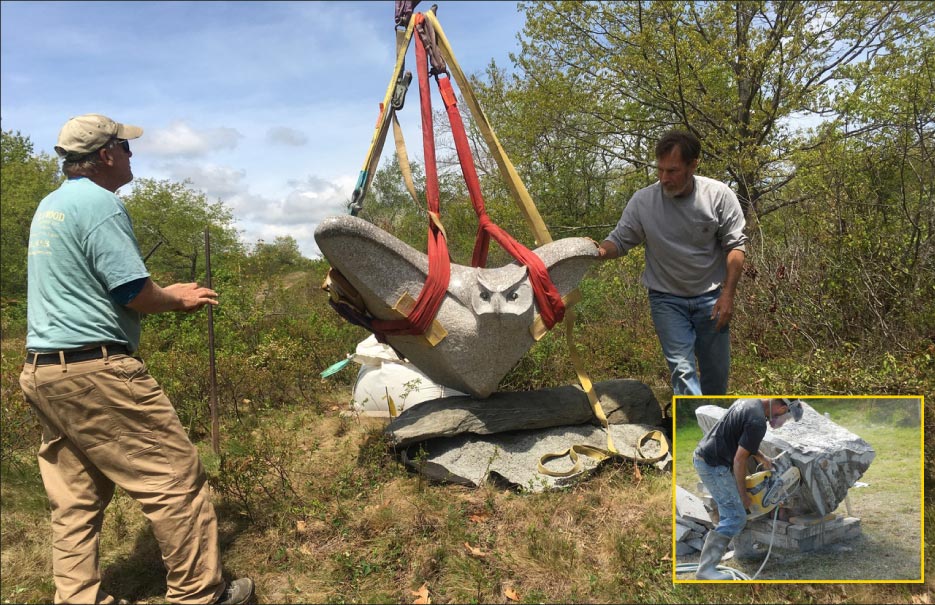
(692, 228)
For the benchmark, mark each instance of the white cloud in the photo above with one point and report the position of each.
(244, 100)
(307, 203)
(286, 136)
(218, 182)
(300, 211)
(180, 139)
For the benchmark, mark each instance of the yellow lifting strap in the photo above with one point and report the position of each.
(402, 46)
(404, 167)
(600, 455)
(383, 122)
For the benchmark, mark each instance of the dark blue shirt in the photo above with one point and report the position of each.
(744, 424)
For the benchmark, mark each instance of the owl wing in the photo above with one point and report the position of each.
(381, 267)
(567, 261)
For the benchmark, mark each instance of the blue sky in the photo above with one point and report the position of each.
(266, 106)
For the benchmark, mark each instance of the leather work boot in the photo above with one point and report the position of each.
(714, 546)
(237, 592)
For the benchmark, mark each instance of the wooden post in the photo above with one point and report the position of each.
(215, 439)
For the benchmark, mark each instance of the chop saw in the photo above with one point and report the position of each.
(769, 489)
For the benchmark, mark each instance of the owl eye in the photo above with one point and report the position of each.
(485, 296)
(513, 296)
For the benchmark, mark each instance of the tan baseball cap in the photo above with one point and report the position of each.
(88, 133)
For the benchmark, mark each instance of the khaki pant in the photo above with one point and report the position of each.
(107, 422)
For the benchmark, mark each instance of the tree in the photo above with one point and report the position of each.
(889, 122)
(545, 123)
(391, 207)
(869, 214)
(25, 178)
(174, 217)
(741, 75)
(267, 260)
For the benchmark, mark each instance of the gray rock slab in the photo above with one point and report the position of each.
(681, 531)
(487, 312)
(682, 549)
(829, 457)
(689, 506)
(624, 401)
(696, 543)
(512, 458)
(695, 526)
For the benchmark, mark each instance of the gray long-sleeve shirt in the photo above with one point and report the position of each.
(686, 239)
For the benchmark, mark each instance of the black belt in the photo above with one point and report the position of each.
(42, 359)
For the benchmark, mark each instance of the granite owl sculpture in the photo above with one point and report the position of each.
(486, 313)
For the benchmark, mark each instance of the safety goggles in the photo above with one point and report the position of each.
(795, 408)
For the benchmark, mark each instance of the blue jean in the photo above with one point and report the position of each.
(686, 331)
(723, 488)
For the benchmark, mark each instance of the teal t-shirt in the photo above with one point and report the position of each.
(81, 246)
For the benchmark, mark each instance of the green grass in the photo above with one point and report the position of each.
(316, 508)
(363, 530)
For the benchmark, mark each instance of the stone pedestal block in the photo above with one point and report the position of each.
(623, 401)
(799, 538)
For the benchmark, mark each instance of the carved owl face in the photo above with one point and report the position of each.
(502, 292)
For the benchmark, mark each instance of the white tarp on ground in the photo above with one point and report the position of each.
(383, 373)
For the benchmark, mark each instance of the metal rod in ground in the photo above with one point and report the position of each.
(215, 439)
(154, 248)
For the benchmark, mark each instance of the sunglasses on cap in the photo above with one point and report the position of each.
(125, 144)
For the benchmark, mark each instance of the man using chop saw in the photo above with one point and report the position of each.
(721, 462)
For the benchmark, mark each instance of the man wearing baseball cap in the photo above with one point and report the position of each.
(721, 462)
(105, 421)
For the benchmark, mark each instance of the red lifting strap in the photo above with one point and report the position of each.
(550, 302)
(436, 282)
(551, 306)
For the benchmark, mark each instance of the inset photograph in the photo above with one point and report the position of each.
(798, 489)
